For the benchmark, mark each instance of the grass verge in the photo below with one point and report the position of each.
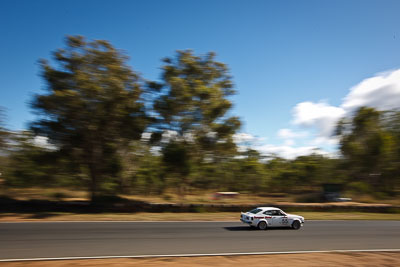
(167, 216)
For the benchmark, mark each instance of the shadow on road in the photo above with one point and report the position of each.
(248, 228)
(239, 228)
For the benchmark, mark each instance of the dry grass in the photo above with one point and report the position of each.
(208, 197)
(44, 193)
(198, 198)
(168, 216)
(313, 259)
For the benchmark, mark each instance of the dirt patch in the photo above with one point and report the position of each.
(312, 259)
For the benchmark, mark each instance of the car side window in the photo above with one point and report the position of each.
(255, 211)
(274, 212)
(268, 212)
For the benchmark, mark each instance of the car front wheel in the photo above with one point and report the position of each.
(296, 225)
(262, 225)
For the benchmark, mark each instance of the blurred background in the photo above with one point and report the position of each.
(103, 103)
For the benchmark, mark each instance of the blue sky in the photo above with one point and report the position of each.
(281, 54)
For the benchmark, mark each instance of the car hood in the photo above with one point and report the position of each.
(295, 216)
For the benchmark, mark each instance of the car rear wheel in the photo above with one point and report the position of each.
(296, 225)
(262, 225)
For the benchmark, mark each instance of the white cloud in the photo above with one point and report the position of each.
(189, 137)
(146, 136)
(289, 134)
(168, 135)
(290, 152)
(241, 138)
(381, 92)
(321, 116)
(287, 150)
(43, 142)
(322, 140)
(245, 141)
(289, 142)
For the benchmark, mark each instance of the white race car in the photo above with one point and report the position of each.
(264, 217)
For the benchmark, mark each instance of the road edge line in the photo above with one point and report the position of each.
(203, 254)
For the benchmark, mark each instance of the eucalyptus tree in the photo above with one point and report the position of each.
(91, 108)
(369, 146)
(3, 131)
(192, 113)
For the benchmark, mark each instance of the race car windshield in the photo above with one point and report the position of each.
(255, 211)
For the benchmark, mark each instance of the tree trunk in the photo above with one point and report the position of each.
(94, 157)
(93, 181)
(182, 189)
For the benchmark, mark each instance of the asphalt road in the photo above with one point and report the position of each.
(74, 239)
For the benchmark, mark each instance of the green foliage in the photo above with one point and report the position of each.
(91, 108)
(192, 107)
(95, 109)
(30, 164)
(176, 158)
(148, 177)
(249, 174)
(370, 143)
(359, 188)
(4, 134)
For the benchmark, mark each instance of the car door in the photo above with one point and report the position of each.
(268, 217)
(279, 219)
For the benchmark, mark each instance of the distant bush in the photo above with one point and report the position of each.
(309, 198)
(57, 195)
(359, 187)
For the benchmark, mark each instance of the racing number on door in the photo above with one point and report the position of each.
(285, 221)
